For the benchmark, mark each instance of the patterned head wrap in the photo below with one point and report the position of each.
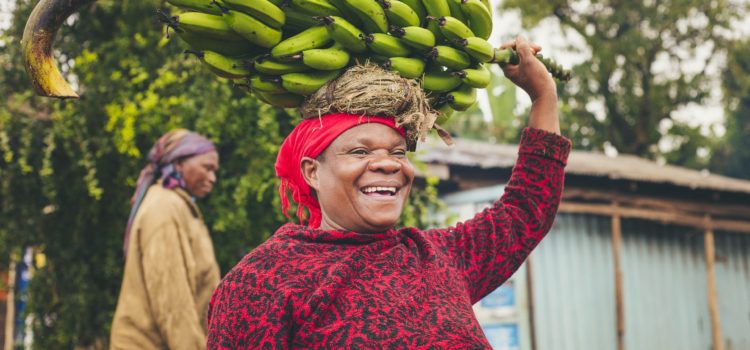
(175, 145)
(309, 139)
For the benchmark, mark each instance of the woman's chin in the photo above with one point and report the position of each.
(381, 223)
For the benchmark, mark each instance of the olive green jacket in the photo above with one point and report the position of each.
(170, 274)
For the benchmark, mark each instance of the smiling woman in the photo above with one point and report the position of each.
(346, 277)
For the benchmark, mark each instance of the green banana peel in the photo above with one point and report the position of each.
(41, 27)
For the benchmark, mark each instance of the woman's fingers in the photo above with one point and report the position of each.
(522, 46)
(509, 45)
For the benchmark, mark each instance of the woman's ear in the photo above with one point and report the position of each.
(178, 166)
(310, 169)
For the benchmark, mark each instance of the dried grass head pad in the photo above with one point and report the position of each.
(368, 90)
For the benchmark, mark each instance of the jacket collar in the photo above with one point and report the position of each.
(186, 197)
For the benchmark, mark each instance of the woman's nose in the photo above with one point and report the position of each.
(385, 163)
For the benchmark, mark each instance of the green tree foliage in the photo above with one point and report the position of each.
(733, 156)
(68, 168)
(628, 40)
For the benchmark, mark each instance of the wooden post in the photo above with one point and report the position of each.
(713, 303)
(619, 305)
(10, 310)
(530, 301)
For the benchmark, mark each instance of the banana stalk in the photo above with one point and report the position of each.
(43, 23)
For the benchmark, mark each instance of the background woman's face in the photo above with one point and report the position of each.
(199, 173)
(362, 179)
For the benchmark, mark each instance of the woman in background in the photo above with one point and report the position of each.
(170, 268)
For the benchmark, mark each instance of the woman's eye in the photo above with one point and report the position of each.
(399, 153)
(359, 151)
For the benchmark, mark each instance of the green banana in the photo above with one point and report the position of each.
(418, 8)
(296, 20)
(488, 6)
(267, 84)
(478, 48)
(252, 29)
(283, 100)
(449, 57)
(345, 33)
(371, 14)
(307, 83)
(434, 27)
(386, 45)
(347, 12)
(333, 58)
(399, 13)
(462, 98)
(269, 66)
(221, 65)
(407, 67)
(437, 8)
(205, 25)
(478, 77)
(205, 6)
(454, 29)
(315, 7)
(455, 6)
(225, 47)
(479, 17)
(440, 81)
(444, 114)
(264, 10)
(419, 38)
(311, 38)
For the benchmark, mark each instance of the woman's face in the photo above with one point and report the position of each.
(362, 179)
(199, 173)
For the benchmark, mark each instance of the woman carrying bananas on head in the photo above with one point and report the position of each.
(349, 278)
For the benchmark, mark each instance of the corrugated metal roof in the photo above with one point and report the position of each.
(622, 167)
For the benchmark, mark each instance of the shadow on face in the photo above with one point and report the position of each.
(199, 173)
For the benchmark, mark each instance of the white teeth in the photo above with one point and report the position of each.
(372, 189)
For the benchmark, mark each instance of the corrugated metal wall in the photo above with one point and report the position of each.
(664, 284)
(573, 285)
(733, 286)
(664, 281)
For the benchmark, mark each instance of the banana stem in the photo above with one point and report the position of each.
(36, 45)
(510, 56)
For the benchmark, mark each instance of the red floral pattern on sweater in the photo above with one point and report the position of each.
(406, 288)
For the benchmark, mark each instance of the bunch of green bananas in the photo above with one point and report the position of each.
(284, 50)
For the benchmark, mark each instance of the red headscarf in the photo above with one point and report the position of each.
(309, 139)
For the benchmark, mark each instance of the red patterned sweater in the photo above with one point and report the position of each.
(406, 288)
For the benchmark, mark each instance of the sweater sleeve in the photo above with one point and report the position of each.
(491, 246)
(168, 289)
(240, 317)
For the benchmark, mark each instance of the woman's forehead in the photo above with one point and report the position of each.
(370, 134)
